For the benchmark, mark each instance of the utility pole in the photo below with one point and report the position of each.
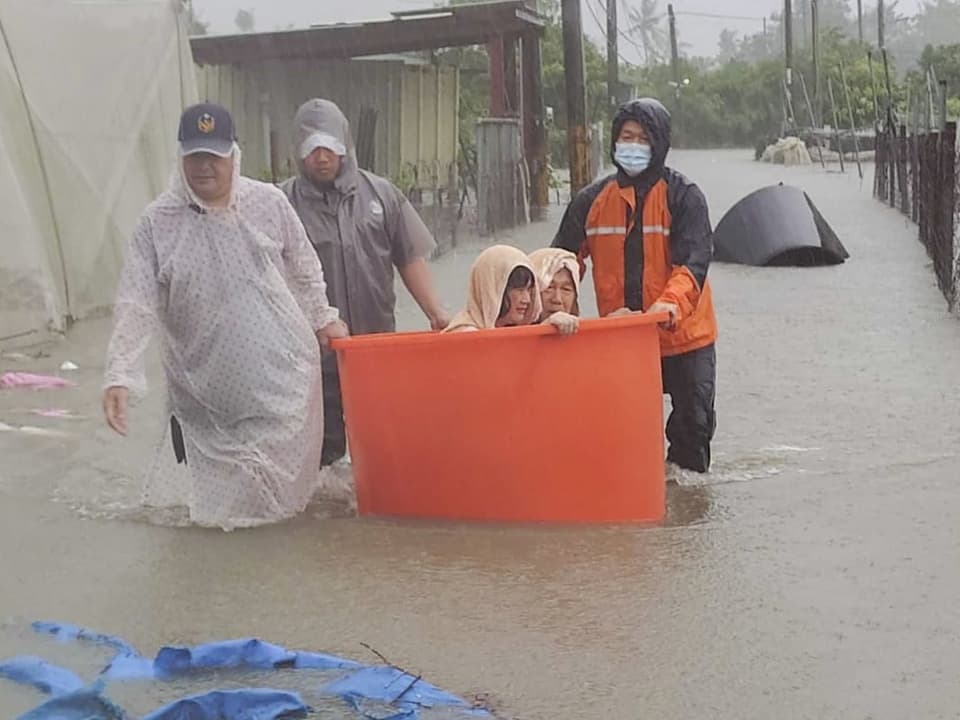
(853, 126)
(876, 93)
(815, 22)
(535, 129)
(675, 60)
(788, 45)
(577, 137)
(813, 119)
(880, 22)
(803, 22)
(836, 123)
(860, 20)
(674, 51)
(613, 58)
(943, 108)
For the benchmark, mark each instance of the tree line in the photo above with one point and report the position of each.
(736, 97)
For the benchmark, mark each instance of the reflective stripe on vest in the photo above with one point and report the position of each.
(605, 245)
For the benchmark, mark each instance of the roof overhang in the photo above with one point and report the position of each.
(418, 30)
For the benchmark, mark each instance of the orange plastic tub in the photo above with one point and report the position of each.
(513, 424)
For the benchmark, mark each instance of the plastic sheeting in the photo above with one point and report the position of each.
(239, 704)
(90, 95)
(248, 653)
(41, 675)
(398, 695)
(79, 705)
(787, 151)
(71, 633)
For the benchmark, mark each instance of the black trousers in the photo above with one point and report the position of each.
(334, 430)
(691, 382)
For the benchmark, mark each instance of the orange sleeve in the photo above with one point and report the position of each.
(682, 290)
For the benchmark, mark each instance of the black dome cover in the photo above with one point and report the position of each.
(777, 226)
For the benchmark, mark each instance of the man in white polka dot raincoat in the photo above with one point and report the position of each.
(221, 269)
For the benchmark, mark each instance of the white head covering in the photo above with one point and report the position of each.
(321, 140)
(488, 283)
(321, 121)
(549, 261)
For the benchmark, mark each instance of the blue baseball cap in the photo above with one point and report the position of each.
(206, 128)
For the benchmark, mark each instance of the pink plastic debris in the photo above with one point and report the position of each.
(35, 382)
(57, 413)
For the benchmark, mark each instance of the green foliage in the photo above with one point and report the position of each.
(839, 50)
(737, 98)
(944, 61)
(727, 105)
(475, 84)
(554, 86)
(737, 102)
(406, 179)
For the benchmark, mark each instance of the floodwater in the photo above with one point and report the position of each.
(814, 574)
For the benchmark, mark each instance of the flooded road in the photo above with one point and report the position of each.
(813, 574)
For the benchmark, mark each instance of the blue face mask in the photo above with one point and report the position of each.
(633, 158)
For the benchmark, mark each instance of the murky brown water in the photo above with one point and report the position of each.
(813, 574)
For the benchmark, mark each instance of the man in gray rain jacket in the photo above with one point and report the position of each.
(362, 227)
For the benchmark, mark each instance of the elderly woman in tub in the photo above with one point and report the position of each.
(559, 274)
(505, 292)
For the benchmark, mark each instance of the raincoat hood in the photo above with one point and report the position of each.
(361, 226)
(547, 262)
(322, 116)
(655, 119)
(488, 282)
(181, 189)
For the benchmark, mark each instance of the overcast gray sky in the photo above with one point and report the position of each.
(700, 33)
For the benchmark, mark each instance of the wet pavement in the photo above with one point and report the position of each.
(813, 573)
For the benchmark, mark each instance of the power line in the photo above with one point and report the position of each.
(593, 14)
(718, 16)
(623, 32)
(603, 30)
(630, 40)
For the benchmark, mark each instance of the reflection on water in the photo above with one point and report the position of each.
(689, 505)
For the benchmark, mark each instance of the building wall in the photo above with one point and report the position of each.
(416, 104)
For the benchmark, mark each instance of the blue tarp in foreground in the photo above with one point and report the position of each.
(400, 695)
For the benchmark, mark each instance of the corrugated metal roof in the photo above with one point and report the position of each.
(455, 26)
